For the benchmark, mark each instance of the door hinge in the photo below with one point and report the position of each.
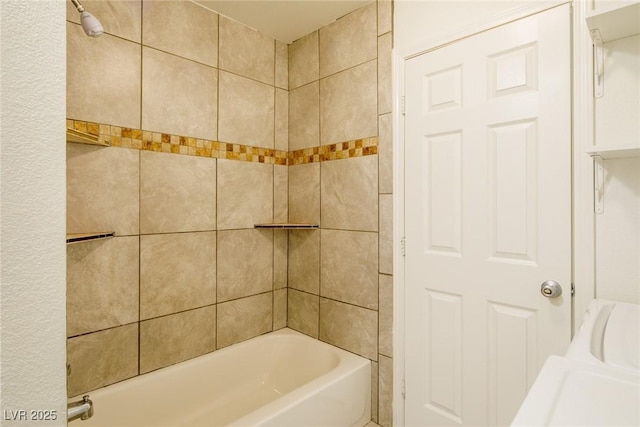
(403, 391)
(402, 105)
(403, 246)
(573, 289)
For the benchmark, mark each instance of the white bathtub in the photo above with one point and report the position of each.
(280, 379)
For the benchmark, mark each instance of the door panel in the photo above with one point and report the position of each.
(488, 211)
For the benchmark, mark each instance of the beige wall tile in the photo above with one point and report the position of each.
(385, 154)
(304, 193)
(282, 65)
(386, 234)
(280, 254)
(245, 263)
(102, 189)
(385, 16)
(279, 309)
(385, 392)
(172, 339)
(178, 95)
(177, 193)
(304, 260)
(177, 272)
(244, 318)
(103, 78)
(384, 74)
(374, 392)
(280, 194)
(102, 358)
(102, 284)
(349, 267)
(246, 113)
(119, 18)
(245, 194)
(182, 28)
(304, 117)
(349, 194)
(304, 63)
(246, 52)
(349, 41)
(348, 104)
(282, 120)
(303, 312)
(346, 326)
(385, 321)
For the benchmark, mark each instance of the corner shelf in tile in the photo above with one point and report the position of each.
(87, 237)
(84, 138)
(288, 226)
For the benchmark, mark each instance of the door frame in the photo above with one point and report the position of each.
(583, 218)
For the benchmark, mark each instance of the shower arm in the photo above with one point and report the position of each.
(78, 6)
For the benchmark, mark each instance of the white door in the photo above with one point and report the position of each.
(488, 219)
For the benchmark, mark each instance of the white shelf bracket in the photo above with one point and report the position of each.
(598, 64)
(598, 177)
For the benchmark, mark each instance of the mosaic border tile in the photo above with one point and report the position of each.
(137, 139)
(341, 150)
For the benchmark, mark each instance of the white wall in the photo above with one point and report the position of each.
(417, 21)
(32, 210)
(617, 122)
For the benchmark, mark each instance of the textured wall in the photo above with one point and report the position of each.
(32, 187)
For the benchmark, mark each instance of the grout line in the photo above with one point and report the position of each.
(320, 191)
(351, 67)
(334, 300)
(273, 189)
(215, 341)
(140, 321)
(136, 322)
(179, 56)
(139, 191)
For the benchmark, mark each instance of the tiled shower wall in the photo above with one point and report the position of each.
(187, 273)
(340, 283)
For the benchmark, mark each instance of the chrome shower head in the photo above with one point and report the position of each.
(90, 24)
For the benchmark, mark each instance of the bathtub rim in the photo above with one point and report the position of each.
(348, 363)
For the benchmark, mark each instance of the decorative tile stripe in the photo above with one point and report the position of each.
(137, 139)
(340, 150)
(117, 136)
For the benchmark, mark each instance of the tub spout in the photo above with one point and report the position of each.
(82, 409)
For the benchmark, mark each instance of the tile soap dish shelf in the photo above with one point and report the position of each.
(84, 138)
(287, 226)
(87, 237)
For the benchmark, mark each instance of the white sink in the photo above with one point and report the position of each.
(598, 380)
